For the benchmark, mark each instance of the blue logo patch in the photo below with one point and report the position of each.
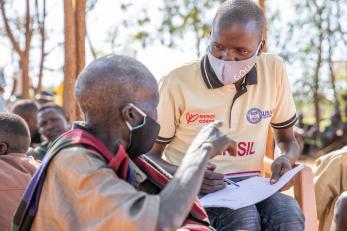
(254, 115)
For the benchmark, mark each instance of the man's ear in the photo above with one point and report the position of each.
(262, 46)
(131, 115)
(3, 148)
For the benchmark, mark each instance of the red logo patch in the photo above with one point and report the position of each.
(191, 117)
(200, 118)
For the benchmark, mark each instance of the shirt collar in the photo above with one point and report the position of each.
(212, 81)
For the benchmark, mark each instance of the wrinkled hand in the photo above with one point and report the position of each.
(211, 138)
(212, 181)
(280, 166)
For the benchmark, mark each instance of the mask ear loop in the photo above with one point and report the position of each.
(141, 113)
(131, 129)
(130, 134)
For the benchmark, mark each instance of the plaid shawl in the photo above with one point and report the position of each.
(25, 214)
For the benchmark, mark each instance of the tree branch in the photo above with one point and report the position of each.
(8, 29)
(28, 30)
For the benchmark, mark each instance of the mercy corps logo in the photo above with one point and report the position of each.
(200, 118)
(255, 115)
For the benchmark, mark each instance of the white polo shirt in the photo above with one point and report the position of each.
(192, 96)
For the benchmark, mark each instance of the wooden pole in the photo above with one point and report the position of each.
(80, 21)
(74, 53)
(70, 68)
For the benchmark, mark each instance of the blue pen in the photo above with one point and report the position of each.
(228, 181)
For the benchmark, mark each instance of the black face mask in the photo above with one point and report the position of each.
(143, 136)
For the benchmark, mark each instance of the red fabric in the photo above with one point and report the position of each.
(119, 163)
(152, 173)
(197, 210)
(192, 225)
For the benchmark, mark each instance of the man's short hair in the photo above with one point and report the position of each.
(53, 106)
(25, 105)
(14, 131)
(109, 82)
(240, 11)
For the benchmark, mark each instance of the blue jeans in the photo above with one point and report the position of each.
(279, 212)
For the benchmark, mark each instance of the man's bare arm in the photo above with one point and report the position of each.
(288, 144)
(289, 147)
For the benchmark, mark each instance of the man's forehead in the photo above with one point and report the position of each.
(238, 28)
(49, 112)
(237, 34)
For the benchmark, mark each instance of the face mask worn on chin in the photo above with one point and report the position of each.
(229, 72)
(143, 136)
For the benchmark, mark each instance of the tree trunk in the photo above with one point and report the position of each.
(332, 44)
(316, 95)
(25, 76)
(70, 67)
(316, 87)
(43, 43)
(80, 16)
(39, 84)
(23, 54)
(74, 53)
(333, 85)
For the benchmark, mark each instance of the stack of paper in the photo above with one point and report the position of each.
(250, 192)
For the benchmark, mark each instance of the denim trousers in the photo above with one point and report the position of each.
(279, 212)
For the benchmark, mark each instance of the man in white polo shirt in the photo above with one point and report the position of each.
(248, 91)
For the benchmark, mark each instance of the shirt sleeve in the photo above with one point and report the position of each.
(87, 195)
(330, 180)
(285, 113)
(168, 110)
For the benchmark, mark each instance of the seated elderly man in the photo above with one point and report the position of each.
(94, 177)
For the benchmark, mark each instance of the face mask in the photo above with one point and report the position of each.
(229, 72)
(143, 136)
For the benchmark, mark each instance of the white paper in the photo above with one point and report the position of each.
(250, 192)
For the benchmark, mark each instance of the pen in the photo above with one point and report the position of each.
(228, 181)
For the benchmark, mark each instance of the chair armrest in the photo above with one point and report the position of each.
(267, 166)
(303, 193)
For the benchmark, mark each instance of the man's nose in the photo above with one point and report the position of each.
(230, 55)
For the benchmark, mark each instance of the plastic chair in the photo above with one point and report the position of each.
(303, 187)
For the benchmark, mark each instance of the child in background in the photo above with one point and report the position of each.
(16, 168)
